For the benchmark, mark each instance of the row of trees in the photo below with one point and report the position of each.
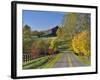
(37, 33)
(73, 23)
(37, 47)
(75, 30)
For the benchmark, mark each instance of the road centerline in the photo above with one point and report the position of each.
(69, 61)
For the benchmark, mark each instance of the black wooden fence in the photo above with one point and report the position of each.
(27, 57)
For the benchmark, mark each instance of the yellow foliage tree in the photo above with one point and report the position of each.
(53, 46)
(81, 43)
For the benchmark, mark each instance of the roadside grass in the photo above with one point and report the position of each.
(35, 63)
(84, 60)
(51, 63)
(64, 45)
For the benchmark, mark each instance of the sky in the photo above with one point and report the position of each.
(42, 20)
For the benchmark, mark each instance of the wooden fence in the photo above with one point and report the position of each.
(27, 57)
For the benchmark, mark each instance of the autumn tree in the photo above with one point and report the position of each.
(81, 43)
(73, 24)
(53, 46)
(40, 48)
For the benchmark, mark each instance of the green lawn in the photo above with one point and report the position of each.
(35, 63)
(84, 60)
(44, 62)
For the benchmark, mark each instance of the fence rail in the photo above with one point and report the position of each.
(27, 57)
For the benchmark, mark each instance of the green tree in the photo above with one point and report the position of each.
(26, 32)
(60, 32)
(27, 39)
(69, 25)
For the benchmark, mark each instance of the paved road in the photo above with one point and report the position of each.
(68, 59)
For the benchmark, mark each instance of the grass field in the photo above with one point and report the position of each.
(35, 63)
(44, 62)
(84, 60)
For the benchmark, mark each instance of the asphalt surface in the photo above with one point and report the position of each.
(68, 59)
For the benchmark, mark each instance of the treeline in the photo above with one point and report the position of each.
(36, 46)
(75, 30)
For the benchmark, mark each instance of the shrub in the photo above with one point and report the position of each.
(39, 48)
